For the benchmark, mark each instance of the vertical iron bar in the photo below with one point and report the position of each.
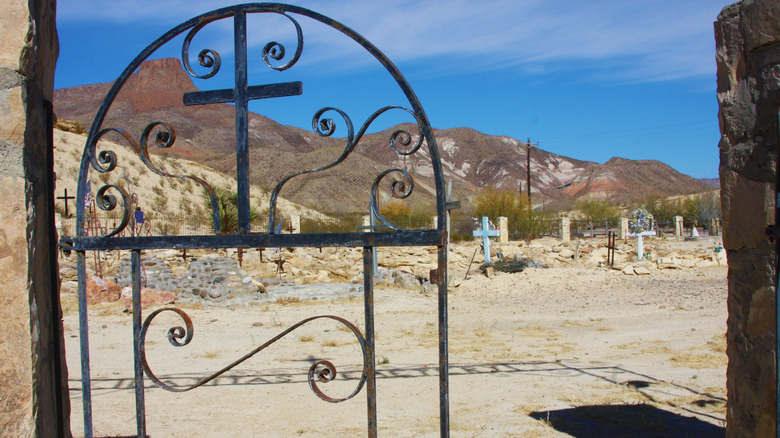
(444, 376)
(368, 289)
(140, 406)
(372, 222)
(86, 384)
(242, 123)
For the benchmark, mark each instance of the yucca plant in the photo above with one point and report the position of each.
(228, 210)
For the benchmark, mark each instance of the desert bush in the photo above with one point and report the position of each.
(159, 190)
(164, 227)
(401, 215)
(703, 208)
(663, 209)
(524, 222)
(597, 210)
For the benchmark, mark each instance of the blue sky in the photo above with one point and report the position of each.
(586, 79)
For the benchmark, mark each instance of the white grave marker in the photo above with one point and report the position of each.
(641, 224)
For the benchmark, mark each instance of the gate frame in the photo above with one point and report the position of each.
(105, 161)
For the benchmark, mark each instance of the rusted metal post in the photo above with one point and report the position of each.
(370, 360)
(444, 366)
(86, 381)
(135, 279)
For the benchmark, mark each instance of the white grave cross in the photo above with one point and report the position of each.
(642, 224)
(640, 247)
(486, 233)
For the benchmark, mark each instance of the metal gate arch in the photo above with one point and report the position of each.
(111, 197)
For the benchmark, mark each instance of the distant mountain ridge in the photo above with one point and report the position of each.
(712, 182)
(471, 160)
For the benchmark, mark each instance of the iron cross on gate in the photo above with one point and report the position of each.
(241, 94)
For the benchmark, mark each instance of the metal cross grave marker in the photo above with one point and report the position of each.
(486, 233)
(65, 198)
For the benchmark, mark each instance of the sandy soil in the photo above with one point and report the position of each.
(563, 351)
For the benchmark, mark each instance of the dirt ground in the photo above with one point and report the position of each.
(563, 351)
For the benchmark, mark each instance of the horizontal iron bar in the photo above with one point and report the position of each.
(392, 238)
(254, 92)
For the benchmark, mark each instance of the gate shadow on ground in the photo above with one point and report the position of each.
(651, 388)
(636, 421)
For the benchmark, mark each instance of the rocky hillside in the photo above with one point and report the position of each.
(169, 202)
(471, 159)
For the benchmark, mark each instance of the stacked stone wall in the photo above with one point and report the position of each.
(748, 85)
(207, 277)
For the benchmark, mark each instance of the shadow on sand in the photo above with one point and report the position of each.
(636, 421)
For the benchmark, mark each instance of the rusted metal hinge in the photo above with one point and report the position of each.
(434, 277)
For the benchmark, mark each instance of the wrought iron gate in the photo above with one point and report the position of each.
(162, 134)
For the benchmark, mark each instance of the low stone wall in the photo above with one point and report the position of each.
(207, 277)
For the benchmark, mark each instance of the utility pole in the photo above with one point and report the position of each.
(528, 146)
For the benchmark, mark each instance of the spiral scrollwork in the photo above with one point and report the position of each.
(326, 127)
(321, 371)
(399, 189)
(207, 58)
(404, 138)
(164, 137)
(105, 161)
(400, 136)
(276, 51)
(324, 371)
(107, 202)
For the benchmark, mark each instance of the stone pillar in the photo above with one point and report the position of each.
(366, 223)
(714, 227)
(503, 229)
(623, 232)
(747, 36)
(565, 226)
(434, 222)
(33, 373)
(295, 223)
(678, 226)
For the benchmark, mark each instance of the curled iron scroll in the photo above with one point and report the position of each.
(164, 137)
(321, 371)
(399, 189)
(276, 51)
(207, 58)
(211, 59)
(325, 127)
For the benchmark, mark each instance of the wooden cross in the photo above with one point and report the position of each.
(240, 95)
(65, 198)
(485, 233)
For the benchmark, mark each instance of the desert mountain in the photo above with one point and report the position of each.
(471, 159)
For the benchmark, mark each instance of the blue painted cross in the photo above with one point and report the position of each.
(485, 233)
(241, 94)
